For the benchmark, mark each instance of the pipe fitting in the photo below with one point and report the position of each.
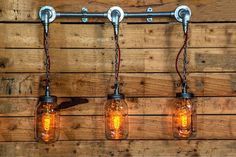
(183, 14)
(47, 14)
(47, 10)
(115, 15)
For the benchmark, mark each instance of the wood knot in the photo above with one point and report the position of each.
(12, 127)
(4, 62)
(76, 126)
(142, 82)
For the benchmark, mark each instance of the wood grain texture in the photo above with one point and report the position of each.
(132, 84)
(140, 127)
(82, 64)
(210, 10)
(131, 35)
(137, 106)
(129, 148)
(102, 60)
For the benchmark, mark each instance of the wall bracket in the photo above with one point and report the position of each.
(149, 10)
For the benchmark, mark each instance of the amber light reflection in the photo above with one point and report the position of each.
(48, 121)
(184, 119)
(116, 121)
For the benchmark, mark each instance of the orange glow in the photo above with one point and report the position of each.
(47, 118)
(116, 120)
(184, 120)
(48, 121)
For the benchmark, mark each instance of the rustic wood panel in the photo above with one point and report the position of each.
(101, 60)
(140, 127)
(132, 35)
(27, 10)
(137, 106)
(127, 148)
(132, 84)
(82, 60)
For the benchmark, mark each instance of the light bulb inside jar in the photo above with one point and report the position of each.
(116, 119)
(183, 118)
(47, 120)
(48, 124)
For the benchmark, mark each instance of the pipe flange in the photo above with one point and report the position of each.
(178, 11)
(52, 13)
(116, 8)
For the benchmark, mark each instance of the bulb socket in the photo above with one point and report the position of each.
(185, 95)
(118, 96)
(48, 99)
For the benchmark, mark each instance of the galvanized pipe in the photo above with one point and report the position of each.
(149, 14)
(182, 14)
(104, 14)
(81, 14)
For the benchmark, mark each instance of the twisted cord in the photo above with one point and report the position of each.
(184, 47)
(47, 59)
(117, 59)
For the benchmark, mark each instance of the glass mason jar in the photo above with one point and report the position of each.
(184, 118)
(47, 120)
(116, 117)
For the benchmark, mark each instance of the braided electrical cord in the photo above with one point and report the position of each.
(183, 78)
(185, 62)
(117, 60)
(47, 62)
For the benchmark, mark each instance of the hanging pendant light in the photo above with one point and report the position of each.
(116, 116)
(116, 108)
(184, 111)
(47, 114)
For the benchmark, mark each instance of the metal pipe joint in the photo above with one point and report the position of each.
(115, 15)
(47, 14)
(183, 15)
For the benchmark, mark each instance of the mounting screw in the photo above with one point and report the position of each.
(84, 11)
(149, 9)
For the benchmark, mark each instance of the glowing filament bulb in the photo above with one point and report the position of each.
(116, 120)
(184, 119)
(47, 121)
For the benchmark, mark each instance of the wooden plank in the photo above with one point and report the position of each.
(95, 106)
(101, 60)
(131, 35)
(27, 10)
(140, 127)
(178, 148)
(132, 84)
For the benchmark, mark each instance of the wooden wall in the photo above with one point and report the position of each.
(82, 65)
